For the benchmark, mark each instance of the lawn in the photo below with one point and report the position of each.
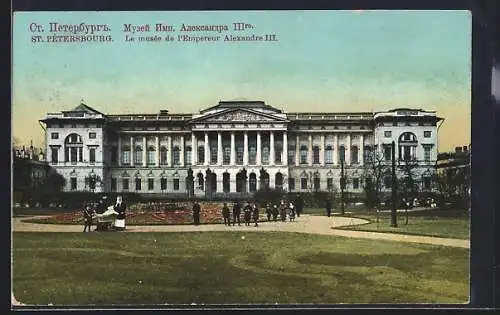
(221, 267)
(440, 223)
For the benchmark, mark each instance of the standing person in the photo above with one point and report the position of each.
(247, 214)
(299, 205)
(269, 211)
(275, 212)
(225, 214)
(255, 214)
(328, 206)
(236, 212)
(291, 210)
(282, 212)
(120, 207)
(100, 209)
(87, 218)
(196, 213)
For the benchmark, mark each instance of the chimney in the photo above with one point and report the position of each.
(458, 149)
(40, 156)
(465, 149)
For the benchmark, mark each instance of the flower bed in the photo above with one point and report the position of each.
(151, 214)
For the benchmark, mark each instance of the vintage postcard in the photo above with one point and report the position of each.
(241, 158)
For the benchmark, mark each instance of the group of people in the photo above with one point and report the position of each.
(250, 211)
(101, 213)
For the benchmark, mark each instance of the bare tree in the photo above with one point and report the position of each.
(374, 170)
(408, 182)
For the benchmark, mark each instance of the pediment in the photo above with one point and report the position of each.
(238, 115)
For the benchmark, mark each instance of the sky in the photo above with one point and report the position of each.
(322, 61)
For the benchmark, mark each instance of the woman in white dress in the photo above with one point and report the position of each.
(120, 207)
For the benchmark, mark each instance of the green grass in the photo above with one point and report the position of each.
(220, 267)
(440, 223)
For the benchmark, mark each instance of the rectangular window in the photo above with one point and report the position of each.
(387, 153)
(291, 184)
(226, 159)
(427, 153)
(113, 184)
(114, 155)
(201, 155)
(54, 135)
(291, 156)
(427, 182)
(92, 155)
(163, 156)
(387, 134)
(239, 155)
(213, 154)
(188, 156)
(138, 157)
(355, 183)
(74, 154)
(316, 155)
(126, 157)
(73, 183)
(151, 157)
(303, 183)
(427, 134)
(176, 184)
(92, 135)
(176, 158)
(125, 184)
(138, 184)
(303, 155)
(329, 155)
(329, 183)
(277, 155)
(54, 155)
(151, 183)
(163, 184)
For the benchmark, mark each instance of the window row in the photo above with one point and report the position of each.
(72, 138)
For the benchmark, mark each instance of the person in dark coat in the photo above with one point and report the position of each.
(299, 205)
(87, 218)
(328, 206)
(247, 214)
(196, 213)
(100, 209)
(225, 215)
(269, 211)
(255, 214)
(275, 212)
(236, 213)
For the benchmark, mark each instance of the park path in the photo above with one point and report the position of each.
(304, 224)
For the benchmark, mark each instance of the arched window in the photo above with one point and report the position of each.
(303, 154)
(201, 181)
(176, 156)
(252, 180)
(73, 148)
(316, 182)
(315, 154)
(225, 182)
(367, 153)
(354, 155)
(407, 145)
(329, 154)
(341, 153)
(138, 155)
(278, 181)
(151, 155)
(163, 155)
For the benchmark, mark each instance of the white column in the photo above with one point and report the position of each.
(219, 149)
(335, 149)
(233, 150)
(181, 153)
(245, 148)
(310, 150)
(157, 144)
(322, 150)
(119, 150)
(131, 151)
(169, 151)
(258, 157)
(284, 159)
(207, 151)
(144, 151)
(348, 150)
(361, 156)
(194, 149)
(297, 150)
(271, 148)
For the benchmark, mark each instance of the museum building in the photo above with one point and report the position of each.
(235, 147)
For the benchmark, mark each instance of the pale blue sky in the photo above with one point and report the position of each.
(323, 61)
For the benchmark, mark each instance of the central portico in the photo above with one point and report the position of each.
(232, 138)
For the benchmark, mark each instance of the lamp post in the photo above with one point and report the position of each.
(342, 183)
(394, 222)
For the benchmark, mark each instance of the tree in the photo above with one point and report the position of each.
(375, 168)
(408, 182)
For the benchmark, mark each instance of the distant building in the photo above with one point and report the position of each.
(458, 160)
(29, 168)
(234, 147)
